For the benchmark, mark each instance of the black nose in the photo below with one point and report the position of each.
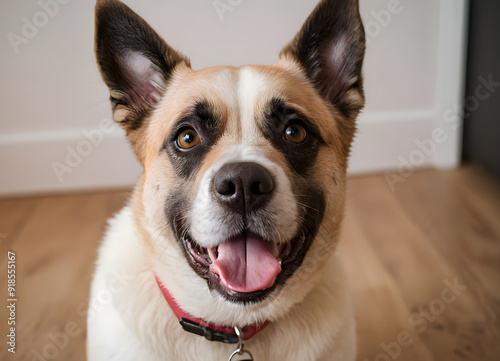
(244, 187)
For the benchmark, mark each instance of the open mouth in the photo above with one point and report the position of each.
(245, 267)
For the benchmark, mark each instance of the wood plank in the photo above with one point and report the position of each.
(435, 208)
(14, 213)
(380, 310)
(55, 251)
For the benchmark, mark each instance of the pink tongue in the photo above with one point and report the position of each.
(247, 265)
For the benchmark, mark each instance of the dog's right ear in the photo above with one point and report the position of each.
(135, 62)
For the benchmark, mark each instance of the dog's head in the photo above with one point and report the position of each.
(242, 193)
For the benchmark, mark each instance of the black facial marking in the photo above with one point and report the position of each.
(301, 156)
(202, 118)
(312, 204)
(177, 205)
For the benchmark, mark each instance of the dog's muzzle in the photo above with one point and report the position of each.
(259, 243)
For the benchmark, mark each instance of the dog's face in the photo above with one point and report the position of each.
(242, 194)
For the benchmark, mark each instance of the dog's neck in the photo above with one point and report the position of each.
(210, 331)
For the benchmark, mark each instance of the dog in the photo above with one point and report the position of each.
(228, 245)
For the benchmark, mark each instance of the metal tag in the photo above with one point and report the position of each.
(235, 356)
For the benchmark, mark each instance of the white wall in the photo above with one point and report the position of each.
(52, 97)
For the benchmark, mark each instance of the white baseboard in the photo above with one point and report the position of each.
(384, 141)
(51, 163)
(69, 161)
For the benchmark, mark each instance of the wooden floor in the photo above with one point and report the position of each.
(424, 261)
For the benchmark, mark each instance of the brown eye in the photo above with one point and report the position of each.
(295, 133)
(188, 138)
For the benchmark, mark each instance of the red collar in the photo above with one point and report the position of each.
(210, 331)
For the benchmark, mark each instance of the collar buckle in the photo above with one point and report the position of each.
(208, 333)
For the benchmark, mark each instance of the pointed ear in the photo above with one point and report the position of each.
(330, 48)
(135, 62)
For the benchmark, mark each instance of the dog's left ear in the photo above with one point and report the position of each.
(330, 48)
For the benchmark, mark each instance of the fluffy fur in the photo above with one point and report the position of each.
(241, 115)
